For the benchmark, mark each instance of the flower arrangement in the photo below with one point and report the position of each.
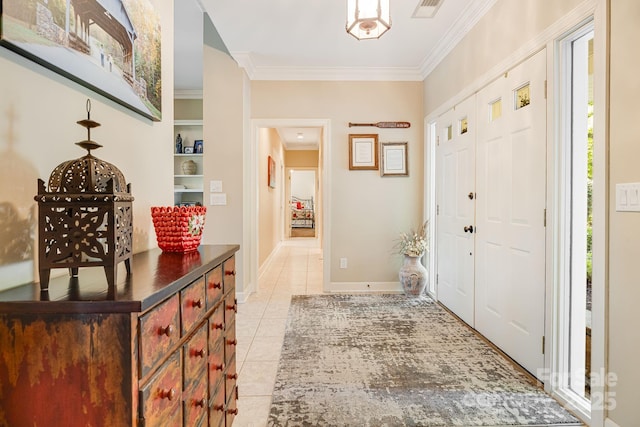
(414, 243)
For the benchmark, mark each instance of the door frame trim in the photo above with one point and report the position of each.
(597, 9)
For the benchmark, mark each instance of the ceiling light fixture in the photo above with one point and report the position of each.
(368, 19)
(300, 136)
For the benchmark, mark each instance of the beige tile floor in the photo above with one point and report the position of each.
(296, 269)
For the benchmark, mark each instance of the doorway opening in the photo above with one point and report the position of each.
(301, 215)
(576, 204)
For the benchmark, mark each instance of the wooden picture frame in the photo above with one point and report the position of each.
(271, 172)
(363, 151)
(100, 45)
(394, 159)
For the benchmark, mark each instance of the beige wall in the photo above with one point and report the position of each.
(508, 25)
(624, 228)
(223, 130)
(367, 212)
(270, 221)
(188, 109)
(38, 114)
(301, 158)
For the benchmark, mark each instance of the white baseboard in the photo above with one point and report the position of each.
(609, 423)
(242, 297)
(365, 287)
(267, 262)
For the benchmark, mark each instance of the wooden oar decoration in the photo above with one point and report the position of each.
(383, 124)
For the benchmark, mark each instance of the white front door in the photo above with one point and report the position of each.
(510, 210)
(455, 199)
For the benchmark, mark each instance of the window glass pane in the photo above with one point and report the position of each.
(464, 126)
(523, 97)
(495, 110)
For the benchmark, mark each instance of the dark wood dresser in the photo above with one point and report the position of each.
(159, 350)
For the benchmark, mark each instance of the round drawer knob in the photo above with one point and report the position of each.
(199, 353)
(217, 326)
(233, 411)
(232, 376)
(232, 342)
(167, 330)
(168, 394)
(219, 408)
(217, 286)
(197, 303)
(219, 367)
(201, 403)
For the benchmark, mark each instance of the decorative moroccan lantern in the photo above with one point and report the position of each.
(86, 217)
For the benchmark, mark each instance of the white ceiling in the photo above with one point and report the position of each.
(307, 40)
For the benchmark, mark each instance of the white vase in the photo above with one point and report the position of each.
(413, 276)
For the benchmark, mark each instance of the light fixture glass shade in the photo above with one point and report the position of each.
(368, 19)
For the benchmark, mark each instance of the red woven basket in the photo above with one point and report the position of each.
(178, 228)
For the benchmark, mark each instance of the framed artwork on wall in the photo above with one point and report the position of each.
(271, 172)
(363, 151)
(112, 47)
(394, 159)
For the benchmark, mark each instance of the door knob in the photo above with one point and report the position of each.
(471, 196)
(468, 229)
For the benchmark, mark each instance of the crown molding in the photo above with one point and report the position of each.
(244, 60)
(467, 20)
(187, 94)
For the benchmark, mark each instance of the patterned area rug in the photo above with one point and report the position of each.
(389, 360)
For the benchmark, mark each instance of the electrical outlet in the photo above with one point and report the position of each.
(343, 263)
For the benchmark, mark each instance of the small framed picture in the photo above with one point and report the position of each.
(363, 152)
(188, 150)
(394, 159)
(198, 146)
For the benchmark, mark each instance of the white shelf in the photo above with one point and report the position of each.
(187, 122)
(190, 130)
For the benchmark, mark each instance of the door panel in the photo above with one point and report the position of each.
(456, 179)
(511, 182)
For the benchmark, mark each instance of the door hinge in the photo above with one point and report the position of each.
(438, 140)
(437, 209)
(543, 344)
(437, 278)
(544, 217)
(545, 89)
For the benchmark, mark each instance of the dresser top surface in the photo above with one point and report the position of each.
(155, 275)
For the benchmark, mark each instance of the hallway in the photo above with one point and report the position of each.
(295, 269)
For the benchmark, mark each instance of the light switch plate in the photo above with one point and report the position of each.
(218, 199)
(215, 186)
(628, 197)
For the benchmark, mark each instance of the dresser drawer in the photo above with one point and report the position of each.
(195, 357)
(193, 305)
(230, 344)
(214, 286)
(196, 404)
(217, 408)
(230, 309)
(232, 411)
(230, 379)
(159, 333)
(229, 268)
(216, 368)
(160, 400)
(216, 326)
(232, 408)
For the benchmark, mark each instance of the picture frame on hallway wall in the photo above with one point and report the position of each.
(271, 172)
(395, 161)
(112, 48)
(363, 151)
